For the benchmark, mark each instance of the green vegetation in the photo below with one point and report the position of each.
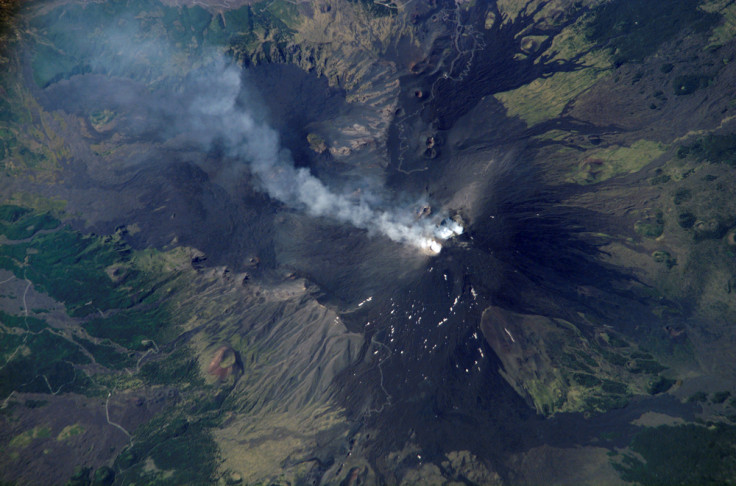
(602, 164)
(614, 387)
(607, 402)
(117, 295)
(104, 476)
(107, 355)
(634, 29)
(11, 214)
(224, 28)
(613, 357)
(80, 477)
(50, 65)
(660, 179)
(278, 13)
(573, 362)
(28, 144)
(24, 323)
(18, 223)
(649, 366)
(70, 431)
(718, 149)
(101, 24)
(97, 278)
(262, 32)
(8, 9)
(71, 268)
(186, 26)
(375, 7)
(175, 369)
(684, 454)
(131, 327)
(45, 364)
(25, 439)
(546, 97)
(88, 273)
(120, 303)
(259, 31)
(8, 142)
(586, 380)
(182, 451)
(587, 372)
(651, 227)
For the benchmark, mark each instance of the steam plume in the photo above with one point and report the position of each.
(217, 115)
(207, 110)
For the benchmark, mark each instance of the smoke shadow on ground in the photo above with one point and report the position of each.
(427, 376)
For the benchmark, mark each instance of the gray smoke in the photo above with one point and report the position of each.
(205, 109)
(215, 115)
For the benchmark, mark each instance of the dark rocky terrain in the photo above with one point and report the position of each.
(191, 291)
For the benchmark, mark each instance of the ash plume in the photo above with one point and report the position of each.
(215, 115)
(206, 109)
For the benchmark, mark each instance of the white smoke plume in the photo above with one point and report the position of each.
(216, 114)
(207, 110)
